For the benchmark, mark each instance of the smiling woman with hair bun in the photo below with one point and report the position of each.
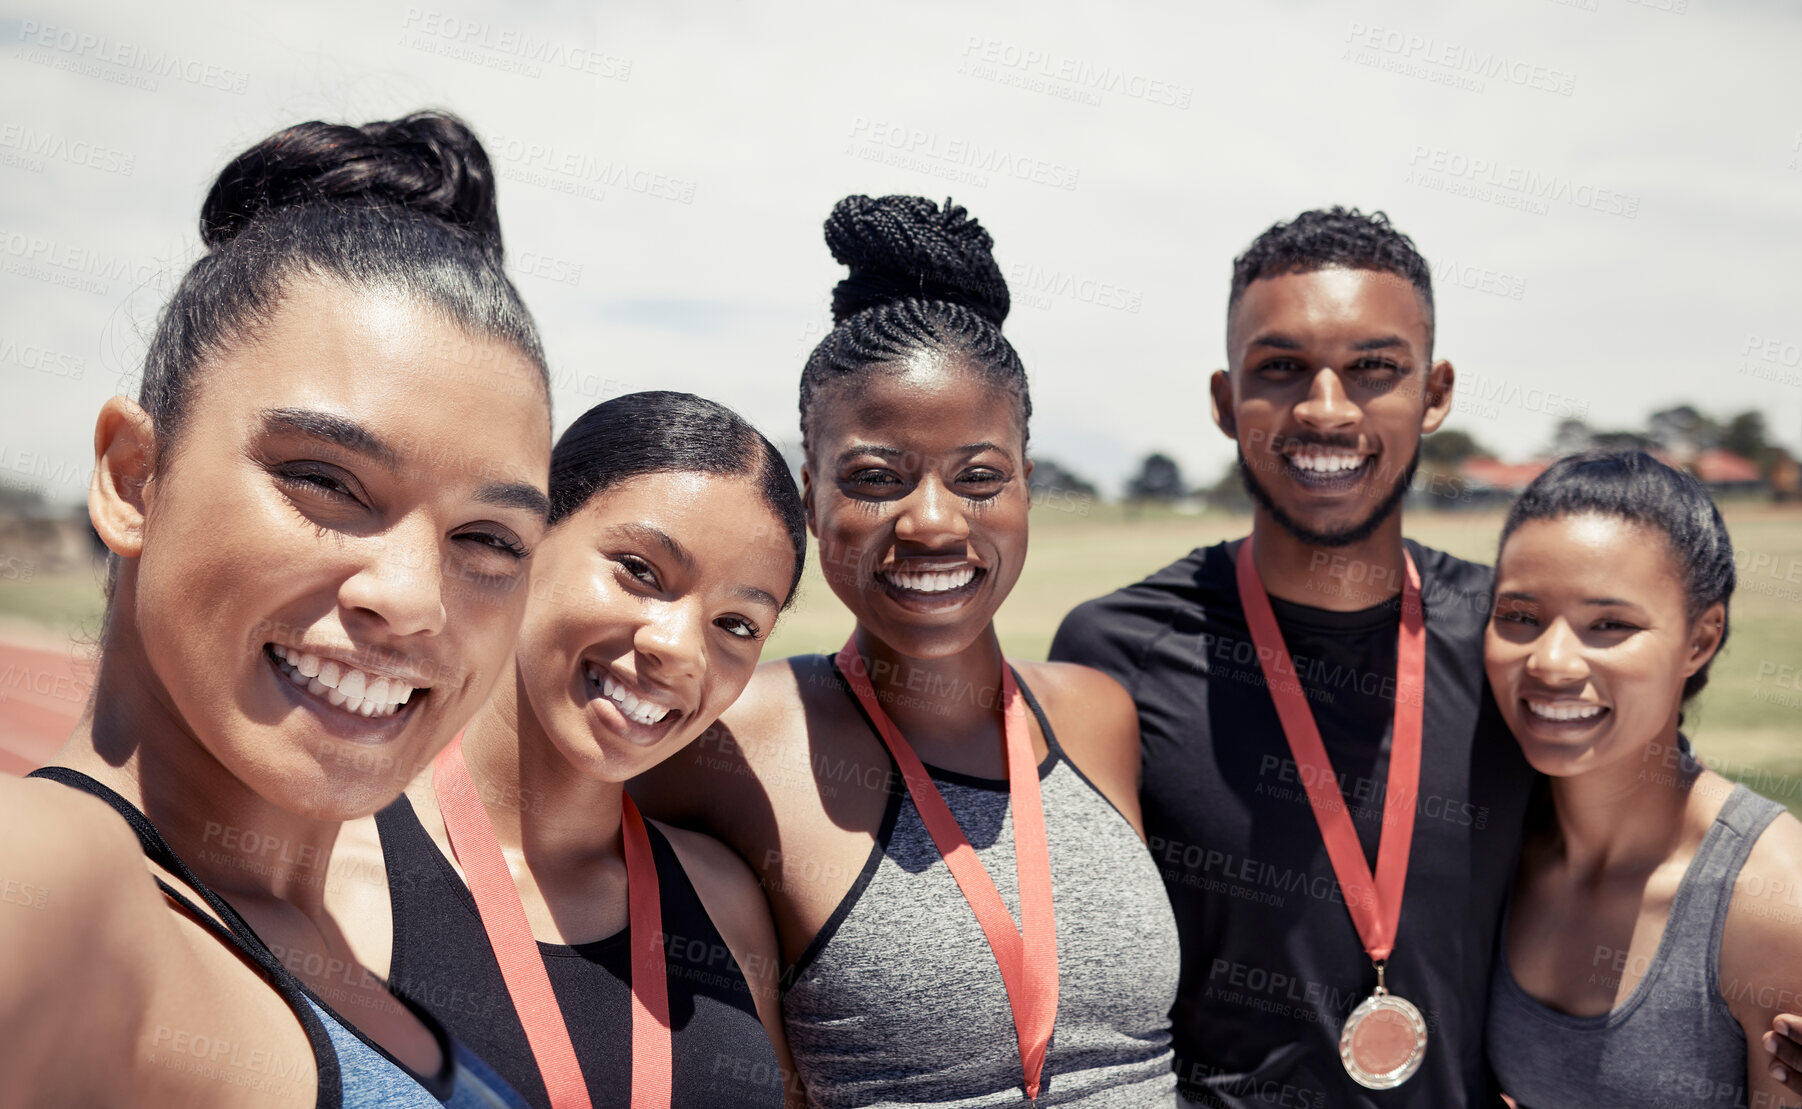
(301, 613)
(950, 839)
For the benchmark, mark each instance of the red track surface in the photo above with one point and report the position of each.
(42, 693)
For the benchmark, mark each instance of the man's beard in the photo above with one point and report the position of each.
(1357, 533)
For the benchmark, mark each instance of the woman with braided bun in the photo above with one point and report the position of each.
(321, 510)
(950, 840)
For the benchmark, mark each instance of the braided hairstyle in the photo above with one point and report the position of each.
(1329, 238)
(407, 204)
(923, 281)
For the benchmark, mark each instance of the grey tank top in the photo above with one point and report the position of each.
(1673, 1041)
(898, 1000)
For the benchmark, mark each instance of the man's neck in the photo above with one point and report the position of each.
(1338, 579)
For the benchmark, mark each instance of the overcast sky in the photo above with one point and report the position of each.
(1609, 191)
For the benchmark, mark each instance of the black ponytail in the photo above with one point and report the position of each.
(407, 204)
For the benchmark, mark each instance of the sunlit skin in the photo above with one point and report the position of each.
(913, 469)
(1591, 622)
(671, 584)
(1335, 362)
(923, 473)
(327, 494)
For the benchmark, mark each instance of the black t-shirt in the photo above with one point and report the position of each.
(442, 961)
(1271, 961)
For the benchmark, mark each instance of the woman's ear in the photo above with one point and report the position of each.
(124, 457)
(1705, 638)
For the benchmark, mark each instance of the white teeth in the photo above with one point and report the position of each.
(1326, 463)
(1564, 710)
(635, 708)
(938, 581)
(343, 686)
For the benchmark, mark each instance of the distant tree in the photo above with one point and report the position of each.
(1573, 435)
(1623, 441)
(22, 501)
(1159, 479)
(1228, 493)
(1051, 476)
(1744, 435)
(1446, 449)
(1683, 429)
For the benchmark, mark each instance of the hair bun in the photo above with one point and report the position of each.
(902, 247)
(429, 162)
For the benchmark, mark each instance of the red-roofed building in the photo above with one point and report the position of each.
(1493, 475)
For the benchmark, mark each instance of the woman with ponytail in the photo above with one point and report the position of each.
(950, 840)
(592, 957)
(1650, 941)
(320, 509)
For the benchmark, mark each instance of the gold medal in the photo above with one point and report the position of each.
(1384, 1039)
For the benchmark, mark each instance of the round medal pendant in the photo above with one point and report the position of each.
(1383, 1042)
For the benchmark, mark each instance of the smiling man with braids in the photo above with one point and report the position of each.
(950, 840)
(1331, 386)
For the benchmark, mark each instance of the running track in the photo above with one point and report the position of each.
(42, 692)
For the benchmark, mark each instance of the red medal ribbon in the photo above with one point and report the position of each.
(522, 968)
(1375, 904)
(1027, 957)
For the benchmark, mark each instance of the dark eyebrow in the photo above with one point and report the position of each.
(516, 495)
(1275, 340)
(867, 448)
(645, 533)
(895, 452)
(985, 445)
(333, 429)
(752, 593)
(1383, 343)
(1609, 602)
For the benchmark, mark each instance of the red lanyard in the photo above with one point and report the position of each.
(1375, 904)
(1027, 957)
(522, 968)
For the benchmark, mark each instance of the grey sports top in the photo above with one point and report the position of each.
(898, 1000)
(1673, 1041)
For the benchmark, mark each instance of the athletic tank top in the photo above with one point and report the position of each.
(354, 1071)
(442, 960)
(898, 1000)
(1673, 1041)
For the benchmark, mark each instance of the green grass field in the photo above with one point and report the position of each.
(1748, 723)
